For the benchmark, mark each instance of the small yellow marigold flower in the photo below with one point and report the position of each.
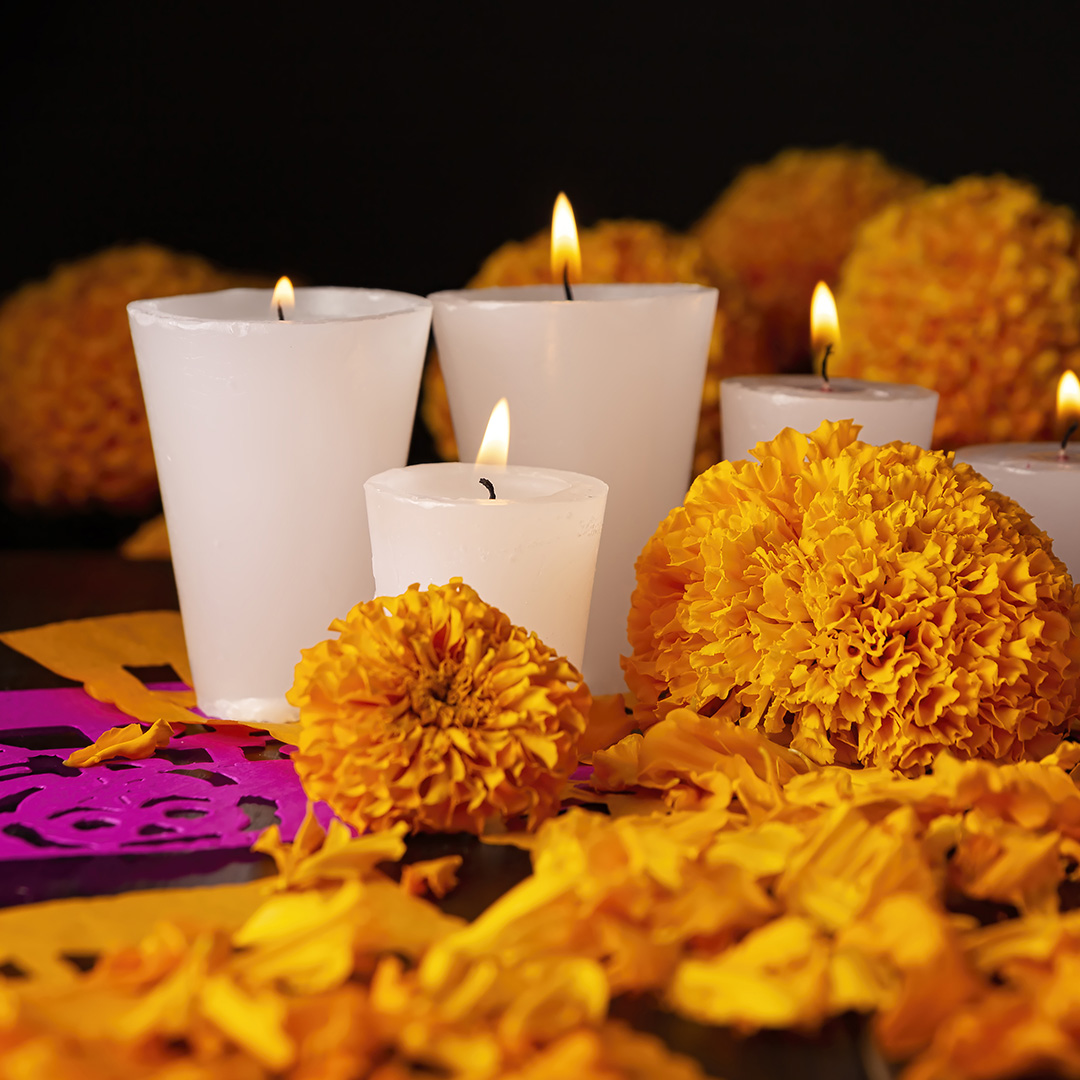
(868, 604)
(430, 708)
(974, 290)
(783, 226)
(73, 427)
(627, 251)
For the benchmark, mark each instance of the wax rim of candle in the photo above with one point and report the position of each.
(584, 295)
(1044, 456)
(574, 486)
(216, 310)
(803, 386)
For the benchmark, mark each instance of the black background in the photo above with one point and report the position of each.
(396, 144)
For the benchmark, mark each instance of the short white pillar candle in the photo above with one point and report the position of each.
(756, 408)
(1046, 486)
(264, 432)
(608, 384)
(530, 551)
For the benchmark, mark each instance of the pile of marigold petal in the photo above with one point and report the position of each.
(733, 880)
(331, 975)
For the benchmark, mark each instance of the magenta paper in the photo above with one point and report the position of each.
(207, 790)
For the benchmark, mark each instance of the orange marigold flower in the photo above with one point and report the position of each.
(430, 708)
(866, 604)
(974, 290)
(627, 251)
(73, 428)
(1025, 1023)
(784, 226)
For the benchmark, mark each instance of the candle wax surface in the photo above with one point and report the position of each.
(438, 486)
(246, 311)
(756, 408)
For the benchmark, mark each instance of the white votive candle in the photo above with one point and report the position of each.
(1047, 487)
(756, 408)
(530, 551)
(608, 384)
(264, 432)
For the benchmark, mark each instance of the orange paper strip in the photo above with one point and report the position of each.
(36, 937)
(96, 652)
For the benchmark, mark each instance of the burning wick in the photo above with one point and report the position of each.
(1063, 453)
(490, 486)
(825, 384)
(565, 248)
(283, 294)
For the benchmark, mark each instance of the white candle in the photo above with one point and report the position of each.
(608, 384)
(531, 551)
(1045, 486)
(756, 408)
(264, 432)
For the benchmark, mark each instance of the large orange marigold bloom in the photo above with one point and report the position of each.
(866, 604)
(432, 709)
(783, 226)
(627, 251)
(73, 428)
(972, 289)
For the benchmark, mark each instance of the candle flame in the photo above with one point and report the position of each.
(565, 249)
(1068, 398)
(824, 323)
(495, 448)
(284, 298)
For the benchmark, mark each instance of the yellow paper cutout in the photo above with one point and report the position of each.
(150, 541)
(35, 937)
(96, 652)
(128, 742)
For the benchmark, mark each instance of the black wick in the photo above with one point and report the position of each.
(1063, 453)
(280, 313)
(490, 486)
(565, 285)
(825, 367)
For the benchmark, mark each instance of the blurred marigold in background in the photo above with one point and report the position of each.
(783, 226)
(629, 252)
(974, 290)
(73, 430)
(432, 709)
(864, 604)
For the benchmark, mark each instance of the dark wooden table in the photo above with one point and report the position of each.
(38, 587)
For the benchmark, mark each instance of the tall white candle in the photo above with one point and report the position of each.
(1045, 486)
(756, 408)
(264, 432)
(608, 384)
(531, 551)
